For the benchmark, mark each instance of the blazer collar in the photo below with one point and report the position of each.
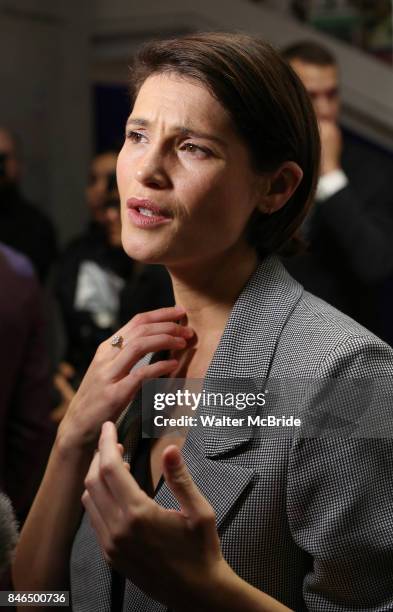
(257, 319)
(250, 339)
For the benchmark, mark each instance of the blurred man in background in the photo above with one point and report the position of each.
(349, 231)
(101, 180)
(22, 226)
(93, 269)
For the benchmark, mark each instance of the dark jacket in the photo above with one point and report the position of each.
(28, 230)
(350, 248)
(25, 429)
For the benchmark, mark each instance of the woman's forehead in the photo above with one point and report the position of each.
(180, 102)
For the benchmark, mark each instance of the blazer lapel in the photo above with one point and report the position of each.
(254, 326)
(247, 347)
(221, 483)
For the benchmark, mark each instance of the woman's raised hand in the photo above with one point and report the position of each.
(110, 382)
(171, 555)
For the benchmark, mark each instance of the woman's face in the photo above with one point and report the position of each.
(186, 185)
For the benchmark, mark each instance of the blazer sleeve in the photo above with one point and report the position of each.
(340, 492)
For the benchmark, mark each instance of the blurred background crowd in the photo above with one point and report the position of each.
(65, 282)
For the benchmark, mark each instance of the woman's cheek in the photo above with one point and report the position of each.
(121, 175)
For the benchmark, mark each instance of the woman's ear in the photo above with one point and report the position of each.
(279, 186)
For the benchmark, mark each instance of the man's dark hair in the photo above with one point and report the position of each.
(268, 105)
(309, 52)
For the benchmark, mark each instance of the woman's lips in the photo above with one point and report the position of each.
(145, 213)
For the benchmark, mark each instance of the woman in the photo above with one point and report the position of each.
(217, 171)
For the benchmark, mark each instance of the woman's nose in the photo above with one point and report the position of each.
(151, 171)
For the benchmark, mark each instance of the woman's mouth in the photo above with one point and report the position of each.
(145, 213)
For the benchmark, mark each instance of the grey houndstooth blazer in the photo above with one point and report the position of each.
(309, 521)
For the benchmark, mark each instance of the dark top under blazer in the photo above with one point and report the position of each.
(309, 521)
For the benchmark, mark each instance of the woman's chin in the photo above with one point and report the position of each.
(142, 253)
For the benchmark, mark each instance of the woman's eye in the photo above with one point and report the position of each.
(195, 150)
(134, 136)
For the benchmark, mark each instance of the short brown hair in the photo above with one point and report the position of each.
(309, 52)
(267, 102)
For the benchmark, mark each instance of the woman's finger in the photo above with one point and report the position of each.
(96, 520)
(131, 353)
(171, 327)
(177, 476)
(121, 483)
(93, 471)
(101, 494)
(161, 315)
(129, 386)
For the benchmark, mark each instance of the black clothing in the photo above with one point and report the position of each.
(385, 302)
(350, 252)
(135, 292)
(83, 331)
(27, 229)
(149, 288)
(140, 469)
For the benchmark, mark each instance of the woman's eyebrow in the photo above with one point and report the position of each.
(137, 121)
(182, 129)
(188, 131)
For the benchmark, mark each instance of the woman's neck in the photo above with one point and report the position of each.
(208, 290)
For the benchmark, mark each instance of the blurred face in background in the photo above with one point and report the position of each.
(112, 222)
(322, 84)
(10, 162)
(101, 180)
